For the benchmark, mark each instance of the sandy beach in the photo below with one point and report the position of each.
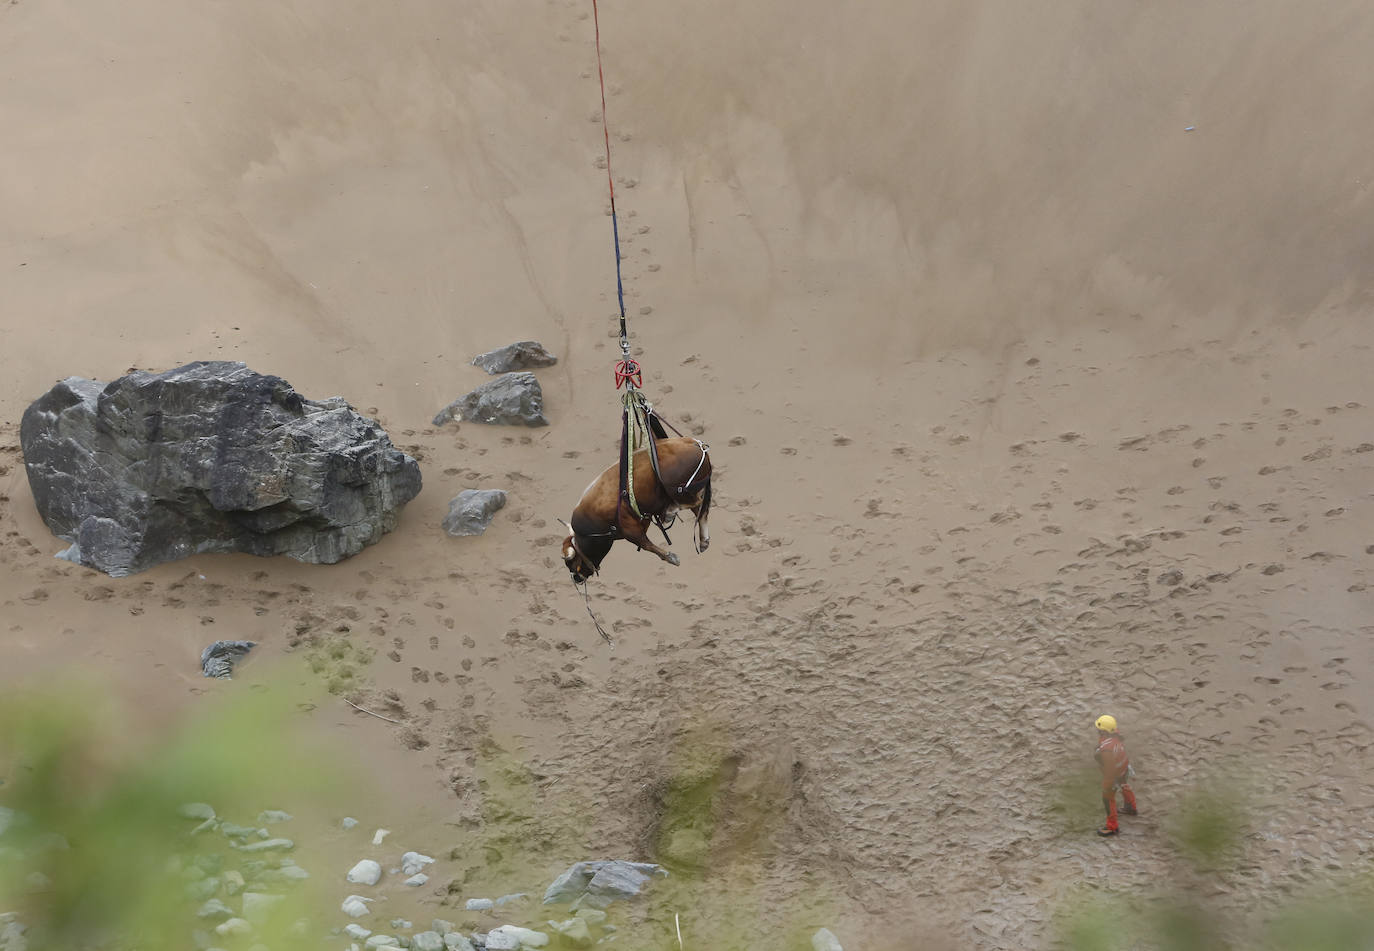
(1032, 346)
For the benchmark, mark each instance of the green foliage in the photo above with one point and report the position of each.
(1090, 927)
(1210, 822)
(97, 853)
(1182, 925)
(1332, 922)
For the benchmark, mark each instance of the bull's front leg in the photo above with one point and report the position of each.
(636, 532)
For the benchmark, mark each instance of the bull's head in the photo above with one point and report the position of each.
(579, 565)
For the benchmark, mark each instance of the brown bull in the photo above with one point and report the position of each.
(603, 515)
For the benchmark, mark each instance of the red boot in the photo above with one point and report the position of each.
(1109, 800)
(1128, 807)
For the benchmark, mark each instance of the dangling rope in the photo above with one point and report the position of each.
(610, 182)
(586, 598)
(637, 411)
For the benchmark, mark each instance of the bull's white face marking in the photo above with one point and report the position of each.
(568, 552)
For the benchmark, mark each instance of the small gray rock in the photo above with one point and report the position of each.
(349, 822)
(479, 904)
(824, 940)
(428, 941)
(269, 845)
(235, 831)
(574, 931)
(219, 659)
(523, 937)
(472, 511)
(355, 906)
(413, 862)
(257, 907)
(356, 931)
(234, 926)
(507, 899)
(196, 810)
(366, 872)
(418, 879)
(216, 909)
(12, 936)
(400, 924)
(284, 876)
(382, 941)
(268, 816)
(203, 889)
(600, 883)
(454, 941)
(525, 355)
(510, 399)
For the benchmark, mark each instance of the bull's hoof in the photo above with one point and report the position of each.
(673, 559)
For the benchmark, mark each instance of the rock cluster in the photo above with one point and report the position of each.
(232, 891)
(209, 457)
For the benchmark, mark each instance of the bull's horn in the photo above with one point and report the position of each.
(569, 527)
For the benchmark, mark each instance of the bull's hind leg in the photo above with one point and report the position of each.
(637, 533)
(701, 510)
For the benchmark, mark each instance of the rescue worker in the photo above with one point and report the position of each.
(1116, 773)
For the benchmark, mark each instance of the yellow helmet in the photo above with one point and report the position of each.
(1107, 723)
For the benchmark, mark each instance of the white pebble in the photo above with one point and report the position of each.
(355, 906)
(366, 872)
(379, 835)
(825, 940)
(413, 862)
(522, 936)
(234, 926)
(419, 878)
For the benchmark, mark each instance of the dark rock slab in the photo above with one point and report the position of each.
(472, 511)
(511, 399)
(525, 355)
(220, 658)
(598, 884)
(209, 457)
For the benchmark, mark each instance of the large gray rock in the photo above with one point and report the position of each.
(472, 511)
(525, 355)
(600, 883)
(219, 658)
(209, 457)
(510, 399)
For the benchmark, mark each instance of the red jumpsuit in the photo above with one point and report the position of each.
(1116, 773)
